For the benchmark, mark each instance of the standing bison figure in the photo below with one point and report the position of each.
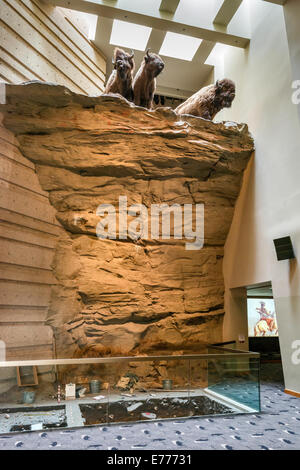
(144, 83)
(121, 78)
(208, 101)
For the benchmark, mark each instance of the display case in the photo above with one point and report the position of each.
(67, 393)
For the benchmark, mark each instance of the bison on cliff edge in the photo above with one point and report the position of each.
(144, 83)
(208, 101)
(121, 78)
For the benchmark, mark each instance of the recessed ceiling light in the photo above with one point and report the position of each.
(179, 46)
(133, 36)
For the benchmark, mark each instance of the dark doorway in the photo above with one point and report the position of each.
(262, 328)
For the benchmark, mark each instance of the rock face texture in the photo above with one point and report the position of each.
(129, 295)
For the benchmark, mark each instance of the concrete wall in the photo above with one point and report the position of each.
(41, 42)
(268, 206)
(292, 15)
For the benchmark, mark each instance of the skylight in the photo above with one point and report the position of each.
(133, 36)
(179, 46)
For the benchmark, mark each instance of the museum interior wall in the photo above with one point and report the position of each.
(38, 42)
(291, 16)
(268, 206)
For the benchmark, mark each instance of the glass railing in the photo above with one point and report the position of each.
(67, 393)
(236, 378)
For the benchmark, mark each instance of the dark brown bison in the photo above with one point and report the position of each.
(121, 78)
(144, 83)
(208, 101)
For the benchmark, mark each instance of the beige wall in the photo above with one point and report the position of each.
(268, 206)
(292, 18)
(37, 42)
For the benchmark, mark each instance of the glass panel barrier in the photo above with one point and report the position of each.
(61, 393)
(236, 379)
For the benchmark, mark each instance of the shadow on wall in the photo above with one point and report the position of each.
(244, 212)
(294, 274)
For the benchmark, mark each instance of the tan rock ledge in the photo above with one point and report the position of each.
(129, 296)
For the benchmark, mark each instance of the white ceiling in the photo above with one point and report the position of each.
(260, 291)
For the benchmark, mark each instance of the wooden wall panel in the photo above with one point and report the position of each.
(25, 254)
(25, 201)
(37, 41)
(40, 42)
(13, 314)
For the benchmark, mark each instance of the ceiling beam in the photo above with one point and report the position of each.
(103, 31)
(155, 40)
(203, 51)
(277, 2)
(161, 20)
(169, 5)
(227, 11)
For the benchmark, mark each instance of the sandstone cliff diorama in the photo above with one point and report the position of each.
(129, 296)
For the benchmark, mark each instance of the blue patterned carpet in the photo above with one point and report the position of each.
(277, 427)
